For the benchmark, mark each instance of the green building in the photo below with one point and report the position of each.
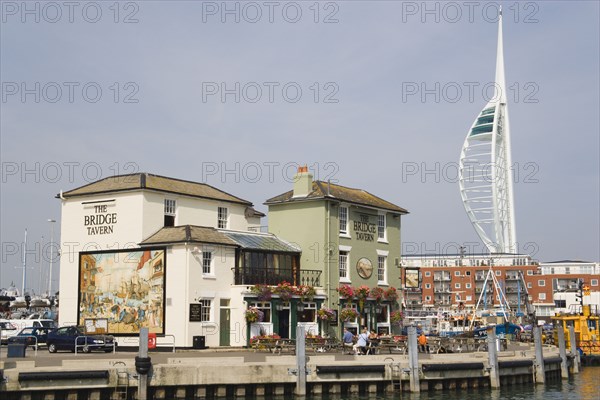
(351, 237)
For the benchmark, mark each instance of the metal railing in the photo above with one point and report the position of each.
(92, 345)
(271, 276)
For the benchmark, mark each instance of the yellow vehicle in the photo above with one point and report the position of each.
(586, 325)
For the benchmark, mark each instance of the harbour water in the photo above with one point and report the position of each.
(583, 386)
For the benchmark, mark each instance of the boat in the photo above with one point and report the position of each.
(585, 321)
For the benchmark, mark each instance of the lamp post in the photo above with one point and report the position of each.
(52, 221)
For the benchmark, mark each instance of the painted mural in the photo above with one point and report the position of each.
(127, 288)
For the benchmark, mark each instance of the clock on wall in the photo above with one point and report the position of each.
(364, 268)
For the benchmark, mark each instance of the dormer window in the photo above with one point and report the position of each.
(170, 207)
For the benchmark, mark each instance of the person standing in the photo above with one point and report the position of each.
(423, 342)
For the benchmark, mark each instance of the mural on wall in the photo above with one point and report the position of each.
(125, 287)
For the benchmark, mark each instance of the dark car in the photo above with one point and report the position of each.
(68, 337)
(29, 336)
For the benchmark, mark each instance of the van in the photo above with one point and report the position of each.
(14, 326)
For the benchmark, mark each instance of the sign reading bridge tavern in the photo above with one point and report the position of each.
(101, 222)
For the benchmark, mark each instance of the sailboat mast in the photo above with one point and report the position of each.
(24, 265)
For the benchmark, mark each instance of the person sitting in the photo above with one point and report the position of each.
(373, 342)
(362, 342)
(422, 342)
(347, 340)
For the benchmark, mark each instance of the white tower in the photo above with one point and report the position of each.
(485, 175)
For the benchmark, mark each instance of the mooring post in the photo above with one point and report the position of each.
(562, 349)
(142, 365)
(413, 359)
(540, 372)
(300, 361)
(493, 357)
(574, 352)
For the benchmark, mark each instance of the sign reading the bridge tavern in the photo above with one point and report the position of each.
(101, 222)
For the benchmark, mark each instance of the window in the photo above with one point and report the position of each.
(343, 215)
(456, 273)
(594, 282)
(428, 286)
(560, 303)
(468, 273)
(381, 227)
(498, 273)
(343, 261)
(309, 314)
(381, 269)
(542, 296)
(457, 286)
(206, 310)
(427, 298)
(207, 263)
(265, 307)
(541, 282)
(170, 207)
(222, 223)
(469, 298)
(467, 286)
(529, 285)
(427, 273)
(529, 272)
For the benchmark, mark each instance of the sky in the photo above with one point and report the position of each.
(377, 95)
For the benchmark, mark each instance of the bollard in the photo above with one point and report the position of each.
(300, 362)
(413, 359)
(574, 352)
(540, 373)
(492, 343)
(143, 365)
(564, 371)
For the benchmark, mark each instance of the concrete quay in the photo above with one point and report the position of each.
(212, 374)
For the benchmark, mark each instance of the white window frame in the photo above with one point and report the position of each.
(206, 316)
(498, 273)
(456, 273)
(542, 296)
(594, 282)
(541, 282)
(263, 305)
(170, 206)
(529, 272)
(457, 286)
(428, 273)
(382, 233)
(344, 250)
(207, 256)
(427, 298)
(529, 285)
(343, 230)
(428, 286)
(222, 223)
(382, 254)
(468, 298)
(468, 285)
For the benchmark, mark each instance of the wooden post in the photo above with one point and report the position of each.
(413, 359)
(562, 348)
(540, 373)
(300, 361)
(574, 352)
(493, 358)
(143, 353)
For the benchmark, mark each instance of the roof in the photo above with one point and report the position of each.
(261, 241)
(326, 190)
(145, 181)
(205, 234)
(568, 262)
(188, 234)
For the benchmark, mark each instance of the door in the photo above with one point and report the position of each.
(284, 323)
(224, 323)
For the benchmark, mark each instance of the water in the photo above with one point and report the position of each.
(584, 386)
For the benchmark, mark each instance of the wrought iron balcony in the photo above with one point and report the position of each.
(270, 276)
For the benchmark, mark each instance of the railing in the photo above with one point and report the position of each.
(85, 346)
(134, 341)
(270, 276)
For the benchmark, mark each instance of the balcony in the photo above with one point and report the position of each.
(270, 276)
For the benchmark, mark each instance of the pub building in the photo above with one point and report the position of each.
(347, 236)
(175, 256)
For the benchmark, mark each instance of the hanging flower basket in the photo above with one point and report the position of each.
(377, 293)
(362, 293)
(306, 293)
(253, 314)
(391, 294)
(396, 317)
(346, 291)
(348, 314)
(284, 290)
(326, 314)
(262, 292)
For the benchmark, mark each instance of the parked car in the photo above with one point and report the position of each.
(67, 337)
(29, 336)
(7, 330)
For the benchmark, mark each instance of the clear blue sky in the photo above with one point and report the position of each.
(189, 92)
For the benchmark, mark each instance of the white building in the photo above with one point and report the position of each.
(146, 250)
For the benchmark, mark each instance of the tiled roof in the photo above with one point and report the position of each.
(261, 241)
(147, 181)
(188, 234)
(322, 190)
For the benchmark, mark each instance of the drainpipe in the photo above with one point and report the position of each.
(327, 255)
(186, 294)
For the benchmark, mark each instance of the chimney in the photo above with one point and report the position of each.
(302, 182)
